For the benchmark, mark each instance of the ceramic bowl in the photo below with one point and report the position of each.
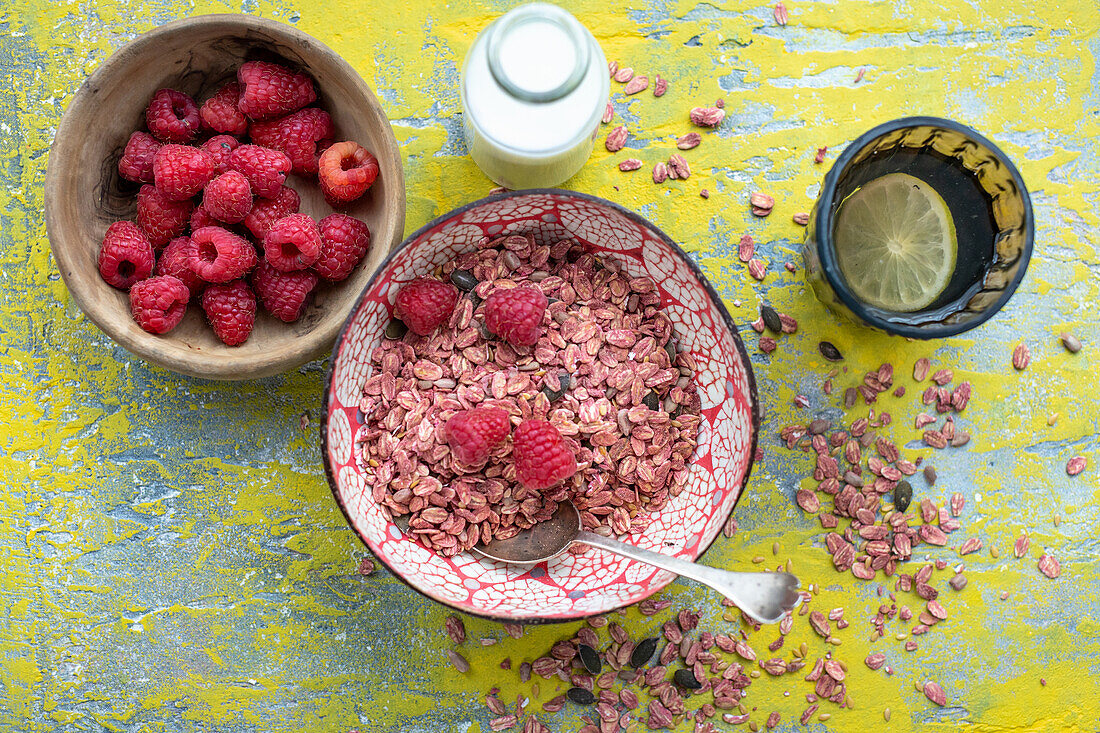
(85, 194)
(569, 586)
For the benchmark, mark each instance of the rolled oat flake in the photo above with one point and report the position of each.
(534, 90)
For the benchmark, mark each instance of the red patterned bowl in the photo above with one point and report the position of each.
(570, 586)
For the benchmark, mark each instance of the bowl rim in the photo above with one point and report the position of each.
(716, 300)
(149, 347)
(824, 225)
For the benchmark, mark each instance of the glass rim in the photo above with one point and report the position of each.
(824, 226)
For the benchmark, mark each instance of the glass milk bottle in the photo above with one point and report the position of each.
(534, 88)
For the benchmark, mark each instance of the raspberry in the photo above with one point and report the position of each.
(266, 212)
(158, 304)
(228, 197)
(220, 255)
(424, 304)
(471, 434)
(283, 294)
(175, 260)
(264, 168)
(516, 314)
(136, 163)
(172, 116)
(200, 218)
(302, 136)
(180, 171)
(344, 242)
(220, 147)
(220, 113)
(270, 90)
(160, 218)
(292, 243)
(125, 257)
(231, 310)
(346, 170)
(541, 455)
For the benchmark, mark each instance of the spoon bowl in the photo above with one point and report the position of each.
(764, 596)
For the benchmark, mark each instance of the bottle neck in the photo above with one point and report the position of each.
(537, 53)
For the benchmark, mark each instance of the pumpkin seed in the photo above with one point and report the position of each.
(464, 279)
(590, 658)
(686, 678)
(903, 494)
(396, 329)
(829, 351)
(643, 652)
(580, 696)
(771, 318)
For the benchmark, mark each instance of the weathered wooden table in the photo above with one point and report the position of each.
(172, 559)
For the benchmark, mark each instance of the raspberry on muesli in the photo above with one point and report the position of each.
(604, 371)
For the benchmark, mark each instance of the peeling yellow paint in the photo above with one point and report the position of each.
(170, 557)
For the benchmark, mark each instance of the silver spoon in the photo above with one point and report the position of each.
(766, 597)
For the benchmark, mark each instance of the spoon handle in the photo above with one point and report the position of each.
(766, 597)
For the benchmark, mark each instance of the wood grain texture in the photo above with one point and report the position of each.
(85, 194)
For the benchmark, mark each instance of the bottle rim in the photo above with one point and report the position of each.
(528, 14)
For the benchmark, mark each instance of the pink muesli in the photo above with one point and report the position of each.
(605, 371)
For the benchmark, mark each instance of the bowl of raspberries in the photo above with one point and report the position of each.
(218, 193)
(524, 350)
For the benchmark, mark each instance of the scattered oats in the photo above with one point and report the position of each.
(660, 173)
(780, 13)
(660, 86)
(624, 75)
(1049, 566)
(707, 116)
(819, 156)
(630, 164)
(637, 84)
(689, 141)
(608, 114)
(616, 139)
(1021, 357)
(1076, 465)
(1071, 342)
(802, 218)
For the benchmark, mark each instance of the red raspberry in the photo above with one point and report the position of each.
(541, 455)
(228, 197)
(424, 304)
(292, 243)
(220, 147)
(158, 304)
(200, 218)
(231, 310)
(302, 136)
(264, 168)
(136, 163)
(283, 294)
(516, 314)
(220, 255)
(160, 218)
(180, 171)
(175, 260)
(471, 434)
(346, 170)
(172, 117)
(344, 242)
(266, 212)
(220, 113)
(125, 257)
(270, 90)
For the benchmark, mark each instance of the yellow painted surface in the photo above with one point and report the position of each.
(171, 558)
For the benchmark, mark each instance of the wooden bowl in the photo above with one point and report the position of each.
(85, 194)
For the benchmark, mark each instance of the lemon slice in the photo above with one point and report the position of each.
(895, 242)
